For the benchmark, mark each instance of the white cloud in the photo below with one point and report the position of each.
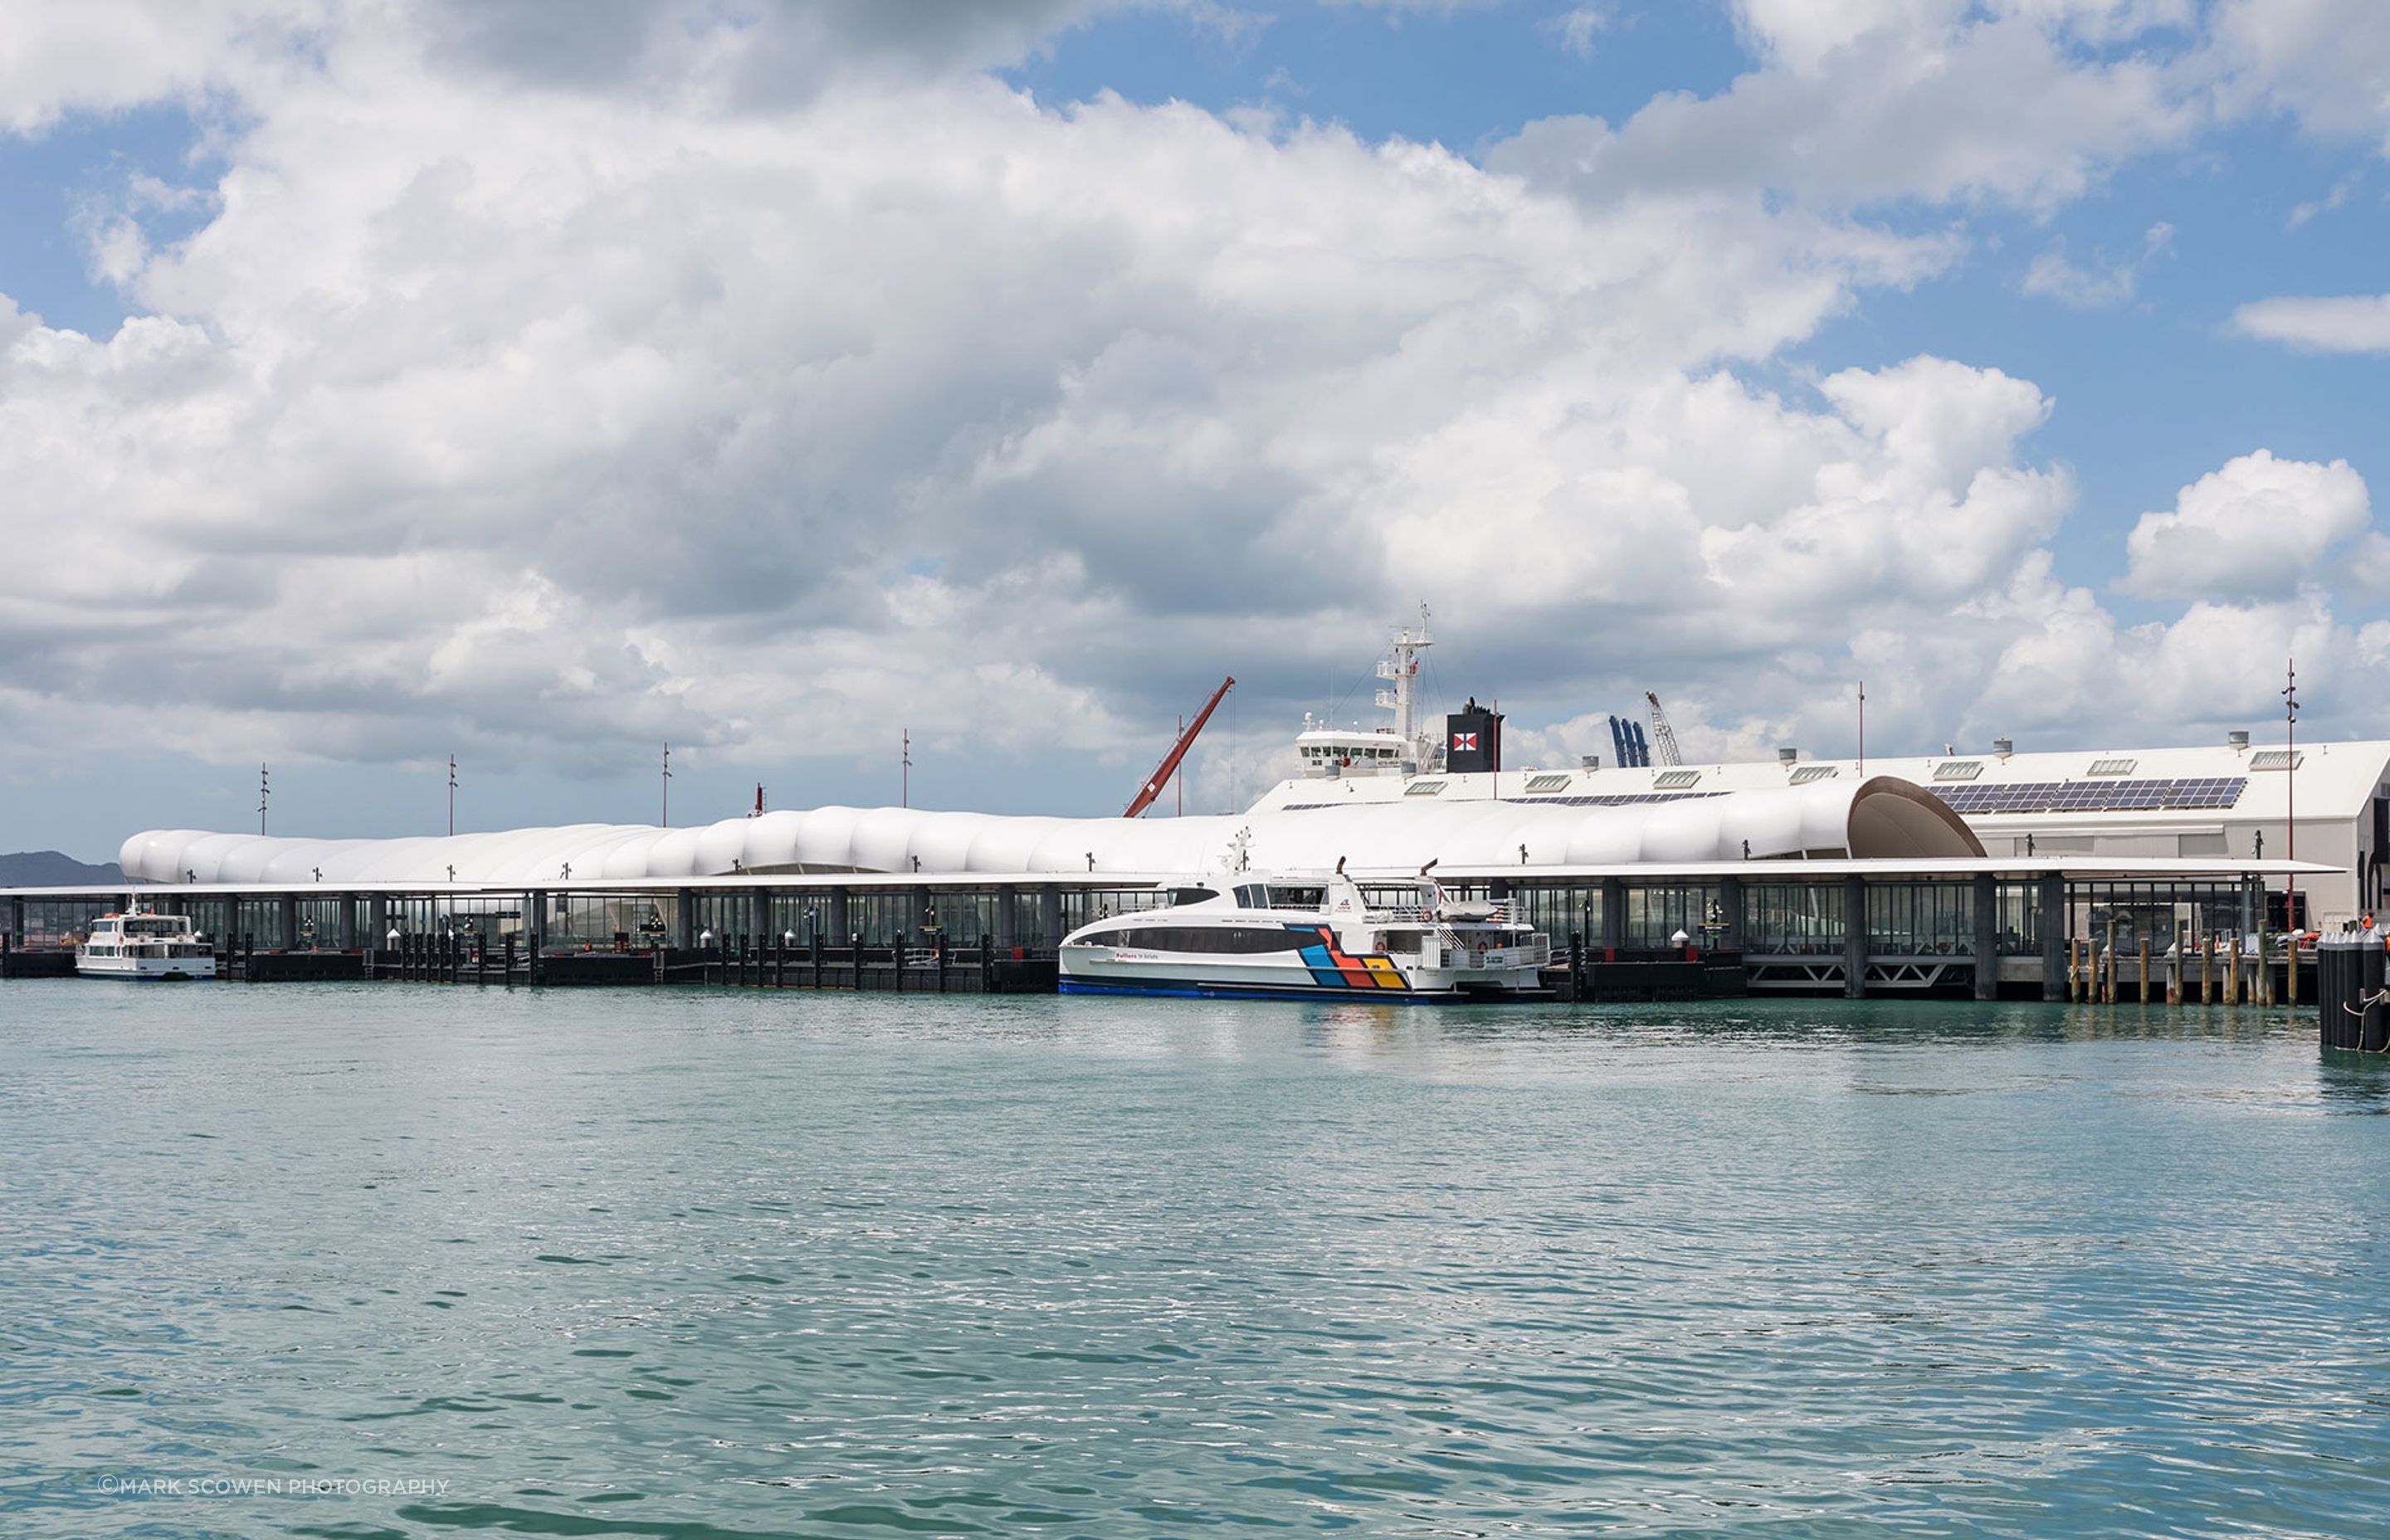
(2343, 323)
(2257, 528)
(2052, 276)
(1870, 103)
(548, 405)
(2325, 62)
(1577, 27)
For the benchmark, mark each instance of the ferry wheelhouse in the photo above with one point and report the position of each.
(1309, 937)
(144, 945)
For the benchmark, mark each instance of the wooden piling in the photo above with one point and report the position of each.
(2207, 970)
(2265, 971)
(2145, 971)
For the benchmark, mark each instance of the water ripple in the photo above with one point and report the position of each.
(691, 1265)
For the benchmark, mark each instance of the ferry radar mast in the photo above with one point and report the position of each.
(1400, 667)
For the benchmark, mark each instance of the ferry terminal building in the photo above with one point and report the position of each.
(1962, 873)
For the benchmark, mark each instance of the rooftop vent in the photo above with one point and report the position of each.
(1786, 756)
(1423, 788)
(2004, 747)
(2238, 739)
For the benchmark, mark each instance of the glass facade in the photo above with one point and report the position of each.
(1655, 914)
(1792, 918)
(1562, 911)
(2161, 914)
(1920, 919)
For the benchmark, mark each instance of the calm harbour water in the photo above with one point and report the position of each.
(678, 1263)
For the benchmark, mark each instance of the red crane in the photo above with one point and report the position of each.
(1169, 765)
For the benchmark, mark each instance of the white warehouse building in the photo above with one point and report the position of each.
(2229, 803)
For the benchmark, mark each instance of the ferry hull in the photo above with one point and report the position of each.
(1209, 989)
(147, 969)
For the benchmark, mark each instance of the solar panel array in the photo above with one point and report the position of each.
(2102, 796)
(1619, 800)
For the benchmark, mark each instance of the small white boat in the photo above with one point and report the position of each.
(1309, 937)
(144, 945)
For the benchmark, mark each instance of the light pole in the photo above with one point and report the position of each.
(2291, 806)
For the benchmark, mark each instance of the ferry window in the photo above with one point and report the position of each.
(1192, 895)
(1221, 940)
(1296, 898)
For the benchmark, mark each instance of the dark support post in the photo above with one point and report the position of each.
(1007, 922)
(16, 920)
(835, 921)
(1049, 916)
(1613, 917)
(1987, 936)
(2053, 936)
(1576, 965)
(289, 917)
(1854, 937)
(530, 959)
(684, 919)
(1730, 911)
(347, 936)
(508, 979)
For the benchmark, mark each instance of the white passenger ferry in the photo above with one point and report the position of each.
(1308, 937)
(144, 945)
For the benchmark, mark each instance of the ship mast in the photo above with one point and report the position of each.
(1401, 668)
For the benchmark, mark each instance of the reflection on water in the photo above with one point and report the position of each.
(715, 1263)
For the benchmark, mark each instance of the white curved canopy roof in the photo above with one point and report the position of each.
(1883, 818)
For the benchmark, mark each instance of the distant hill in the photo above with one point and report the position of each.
(47, 868)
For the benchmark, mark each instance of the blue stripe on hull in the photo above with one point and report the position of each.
(1175, 989)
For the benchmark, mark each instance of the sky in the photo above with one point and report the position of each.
(542, 385)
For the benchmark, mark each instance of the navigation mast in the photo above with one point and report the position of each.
(1400, 667)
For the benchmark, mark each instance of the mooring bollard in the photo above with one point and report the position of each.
(2351, 1008)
